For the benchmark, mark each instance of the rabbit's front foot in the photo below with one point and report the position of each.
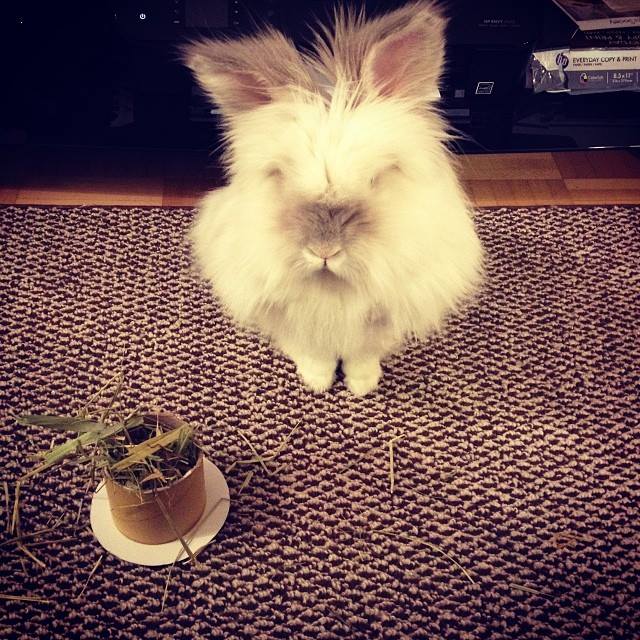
(317, 375)
(362, 376)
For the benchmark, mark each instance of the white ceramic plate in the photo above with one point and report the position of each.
(215, 513)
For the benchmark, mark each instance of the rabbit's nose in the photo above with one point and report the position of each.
(325, 251)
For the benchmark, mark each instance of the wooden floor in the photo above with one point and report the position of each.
(80, 176)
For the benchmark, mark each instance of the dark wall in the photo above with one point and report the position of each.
(96, 73)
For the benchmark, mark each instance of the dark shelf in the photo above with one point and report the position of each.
(95, 74)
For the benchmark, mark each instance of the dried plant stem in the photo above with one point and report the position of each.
(520, 587)
(6, 596)
(71, 447)
(165, 593)
(84, 493)
(19, 539)
(286, 439)
(30, 555)
(168, 580)
(196, 552)
(183, 542)
(246, 481)
(7, 503)
(56, 524)
(15, 519)
(114, 395)
(258, 457)
(339, 620)
(91, 574)
(248, 461)
(79, 513)
(360, 458)
(46, 543)
(392, 478)
(263, 459)
(140, 452)
(403, 538)
(100, 391)
(564, 538)
(91, 480)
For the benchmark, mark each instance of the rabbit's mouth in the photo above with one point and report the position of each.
(328, 277)
(323, 262)
(326, 273)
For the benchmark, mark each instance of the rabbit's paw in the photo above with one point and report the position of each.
(316, 375)
(362, 376)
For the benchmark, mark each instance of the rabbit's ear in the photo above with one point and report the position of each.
(406, 52)
(243, 74)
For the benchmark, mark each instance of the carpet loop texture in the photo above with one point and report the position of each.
(514, 510)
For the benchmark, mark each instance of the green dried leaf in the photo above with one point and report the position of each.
(156, 475)
(62, 423)
(147, 448)
(66, 449)
(133, 421)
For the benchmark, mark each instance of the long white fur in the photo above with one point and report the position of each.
(396, 284)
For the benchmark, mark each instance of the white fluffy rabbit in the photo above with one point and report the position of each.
(343, 231)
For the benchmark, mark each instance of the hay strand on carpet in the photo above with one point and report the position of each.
(246, 481)
(91, 574)
(271, 456)
(165, 593)
(257, 456)
(536, 592)
(25, 536)
(15, 518)
(7, 596)
(31, 555)
(170, 522)
(392, 477)
(403, 537)
(7, 506)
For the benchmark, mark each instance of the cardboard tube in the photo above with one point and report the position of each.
(137, 515)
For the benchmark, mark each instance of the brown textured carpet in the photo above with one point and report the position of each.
(520, 461)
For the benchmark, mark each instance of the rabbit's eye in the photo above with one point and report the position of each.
(274, 172)
(388, 170)
(352, 217)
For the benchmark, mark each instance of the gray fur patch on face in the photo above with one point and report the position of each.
(330, 222)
